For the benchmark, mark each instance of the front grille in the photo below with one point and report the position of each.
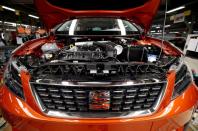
(76, 99)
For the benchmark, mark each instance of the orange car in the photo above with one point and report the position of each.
(97, 71)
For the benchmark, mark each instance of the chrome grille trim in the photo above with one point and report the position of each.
(98, 84)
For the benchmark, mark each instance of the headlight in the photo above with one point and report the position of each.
(12, 78)
(182, 79)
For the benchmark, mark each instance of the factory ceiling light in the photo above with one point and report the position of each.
(175, 9)
(8, 8)
(33, 16)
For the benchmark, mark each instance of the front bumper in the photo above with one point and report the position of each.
(172, 116)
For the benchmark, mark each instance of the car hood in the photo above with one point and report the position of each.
(54, 12)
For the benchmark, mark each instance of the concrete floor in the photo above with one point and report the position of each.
(193, 63)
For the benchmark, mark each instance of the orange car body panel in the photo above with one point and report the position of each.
(27, 116)
(53, 15)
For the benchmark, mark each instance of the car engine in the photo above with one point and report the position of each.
(96, 60)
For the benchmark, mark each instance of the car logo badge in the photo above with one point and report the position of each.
(99, 100)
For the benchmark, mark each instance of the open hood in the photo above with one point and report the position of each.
(54, 12)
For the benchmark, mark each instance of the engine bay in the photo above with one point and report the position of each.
(86, 59)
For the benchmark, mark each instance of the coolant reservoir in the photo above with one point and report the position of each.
(119, 49)
(50, 47)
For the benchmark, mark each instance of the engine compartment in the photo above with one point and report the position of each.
(95, 50)
(97, 59)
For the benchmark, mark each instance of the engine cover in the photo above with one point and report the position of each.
(82, 55)
(89, 51)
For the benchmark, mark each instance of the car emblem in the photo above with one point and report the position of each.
(99, 100)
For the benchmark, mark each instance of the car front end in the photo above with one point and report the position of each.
(98, 74)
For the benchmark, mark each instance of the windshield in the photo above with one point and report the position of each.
(98, 26)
